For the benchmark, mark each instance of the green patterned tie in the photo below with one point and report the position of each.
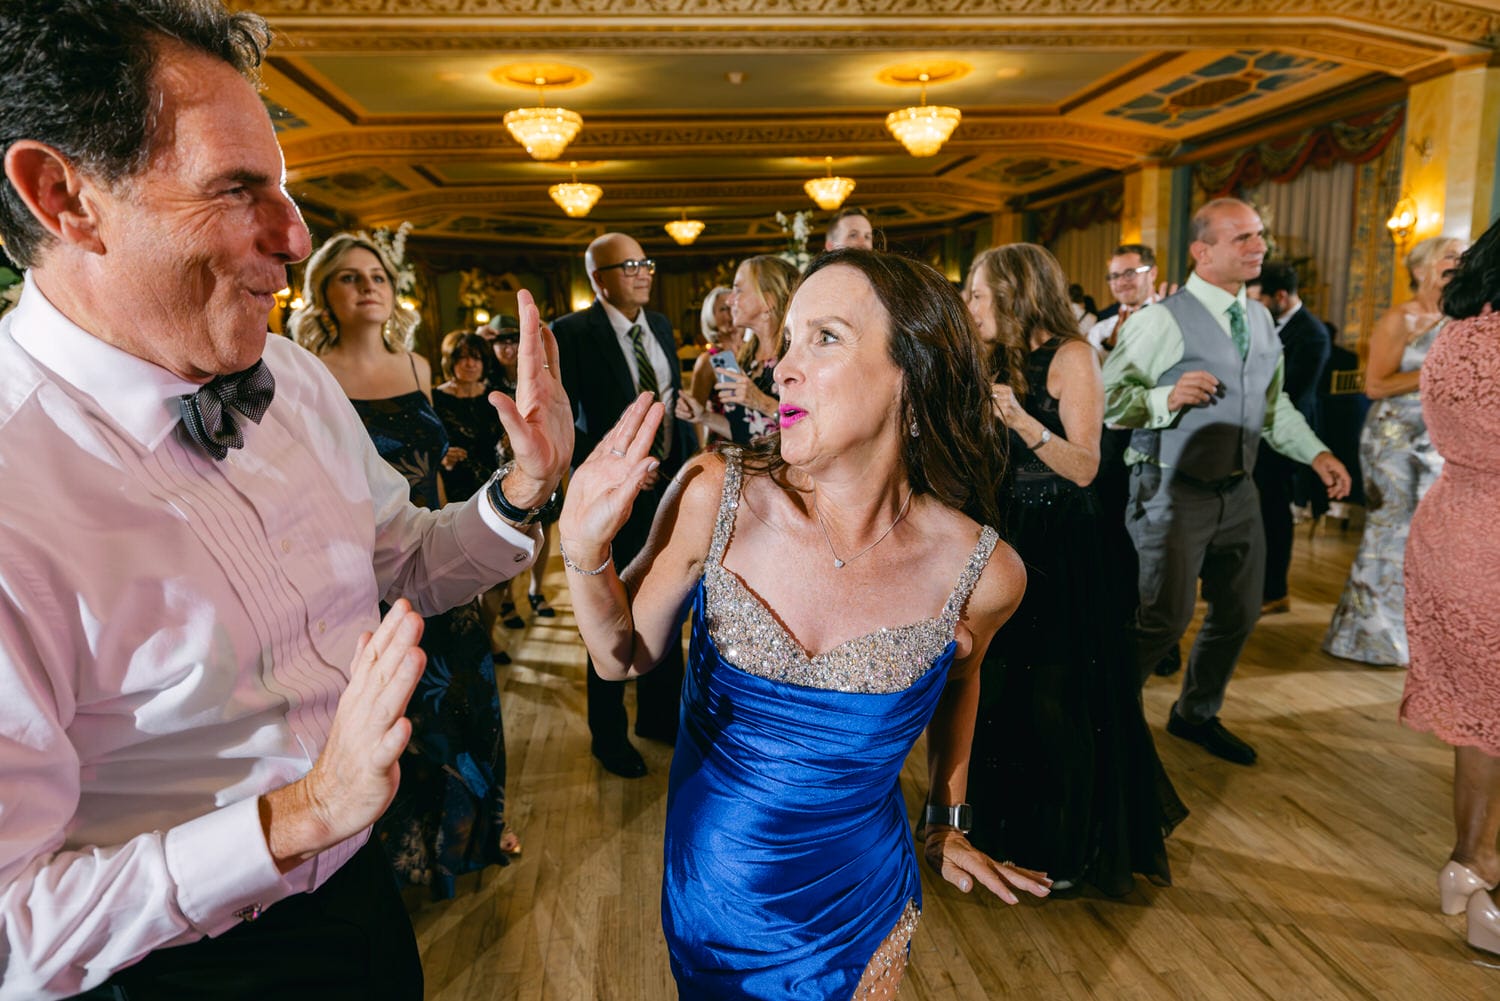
(645, 381)
(1238, 329)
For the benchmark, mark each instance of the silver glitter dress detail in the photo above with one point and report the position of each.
(887, 660)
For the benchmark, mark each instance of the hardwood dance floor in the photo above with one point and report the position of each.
(1309, 875)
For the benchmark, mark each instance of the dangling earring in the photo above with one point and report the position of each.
(915, 431)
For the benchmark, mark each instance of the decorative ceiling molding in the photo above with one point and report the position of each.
(1438, 20)
(602, 141)
(1374, 51)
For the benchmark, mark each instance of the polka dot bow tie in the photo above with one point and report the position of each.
(211, 415)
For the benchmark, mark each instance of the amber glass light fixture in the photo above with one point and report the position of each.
(574, 197)
(684, 231)
(923, 128)
(544, 131)
(829, 191)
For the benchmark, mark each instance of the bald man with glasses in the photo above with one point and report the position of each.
(611, 352)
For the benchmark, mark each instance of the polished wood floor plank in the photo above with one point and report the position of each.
(1310, 875)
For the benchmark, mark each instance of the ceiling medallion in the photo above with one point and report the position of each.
(923, 128)
(829, 191)
(544, 131)
(684, 231)
(574, 197)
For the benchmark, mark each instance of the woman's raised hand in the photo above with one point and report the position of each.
(735, 388)
(603, 489)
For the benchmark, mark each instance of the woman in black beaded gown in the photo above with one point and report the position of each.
(1064, 775)
(448, 816)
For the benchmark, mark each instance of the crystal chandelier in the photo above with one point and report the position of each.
(829, 192)
(684, 230)
(544, 131)
(575, 198)
(923, 128)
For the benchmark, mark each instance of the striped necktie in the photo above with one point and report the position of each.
(645, 381)
(1238, 328)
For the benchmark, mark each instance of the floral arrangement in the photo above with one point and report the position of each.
(394, 247)
(796, 230)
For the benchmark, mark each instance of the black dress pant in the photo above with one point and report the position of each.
(1275, 477)
(349, 940)
(659, 693)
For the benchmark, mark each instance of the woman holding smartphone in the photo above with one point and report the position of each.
(745, 384)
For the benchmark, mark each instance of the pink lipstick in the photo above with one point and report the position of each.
(790, 415)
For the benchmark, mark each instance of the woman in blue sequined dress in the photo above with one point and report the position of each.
(844, 583)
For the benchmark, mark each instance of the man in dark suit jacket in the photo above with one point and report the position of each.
(1305, 345)
(601, 350)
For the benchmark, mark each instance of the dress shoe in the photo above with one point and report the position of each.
(1456, 884)
(1168, 665)
(1484, 923)
(510, 618)
(1212, 737)
(619, 758)
(540, 606)
(1276, 606)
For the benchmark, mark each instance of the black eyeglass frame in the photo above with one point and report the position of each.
(631, 267)
(1131, 273)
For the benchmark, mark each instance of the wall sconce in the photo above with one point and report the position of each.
(1403, 219)
(481, 317)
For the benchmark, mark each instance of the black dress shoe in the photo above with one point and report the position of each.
(619, 758)
(1212, 737)
(1168, 665)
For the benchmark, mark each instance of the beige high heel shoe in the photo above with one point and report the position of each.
(1484, 923)
(1456, 884)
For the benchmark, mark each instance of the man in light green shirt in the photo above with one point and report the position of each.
(1199, 377)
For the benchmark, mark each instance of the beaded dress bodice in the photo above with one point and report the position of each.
(749, 636)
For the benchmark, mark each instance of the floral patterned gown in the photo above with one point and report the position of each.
(1399, 465)
(449, 812)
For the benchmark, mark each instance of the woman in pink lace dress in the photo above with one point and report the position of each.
(1452, 589)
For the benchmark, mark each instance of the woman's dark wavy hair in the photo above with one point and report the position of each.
(958, 455)
(79, 75)
(1477, 280)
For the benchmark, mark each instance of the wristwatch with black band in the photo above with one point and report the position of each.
(959, 816)
(519, 516)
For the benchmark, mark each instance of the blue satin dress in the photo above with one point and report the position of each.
(789, 864)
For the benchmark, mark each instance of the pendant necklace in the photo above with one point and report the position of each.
(838, 564)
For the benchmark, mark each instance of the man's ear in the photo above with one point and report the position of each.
(55, 192)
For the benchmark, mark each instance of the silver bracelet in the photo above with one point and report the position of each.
(578, 569)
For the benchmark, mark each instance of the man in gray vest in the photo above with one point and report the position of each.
(1199, 379)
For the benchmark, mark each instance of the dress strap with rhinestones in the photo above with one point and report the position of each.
(978, 559)
(728, 504)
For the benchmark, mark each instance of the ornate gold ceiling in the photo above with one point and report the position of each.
(388, 109)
